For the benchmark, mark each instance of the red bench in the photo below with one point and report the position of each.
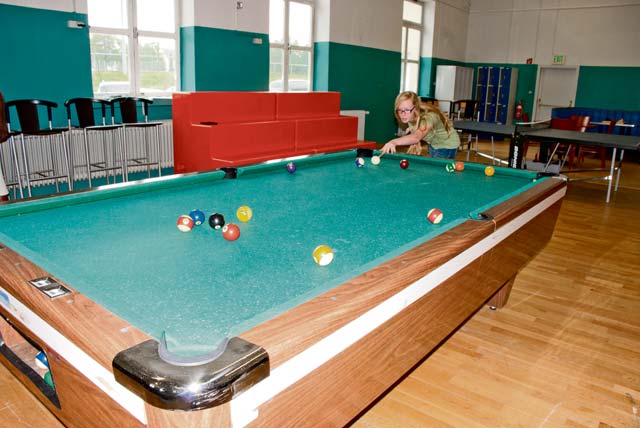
(228, 129)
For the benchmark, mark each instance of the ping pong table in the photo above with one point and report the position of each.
(539, 132)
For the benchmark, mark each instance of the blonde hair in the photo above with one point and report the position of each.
(444, 119)
(420, 108)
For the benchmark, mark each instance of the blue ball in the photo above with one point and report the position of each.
(41, 360)
(359, 162)
(197, 216)
(291, 167)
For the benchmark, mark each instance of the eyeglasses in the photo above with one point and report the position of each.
(405, 111)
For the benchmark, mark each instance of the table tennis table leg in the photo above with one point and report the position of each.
(612, 170)
(516, 147)
(619, 169)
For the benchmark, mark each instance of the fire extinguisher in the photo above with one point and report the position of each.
(519, 108)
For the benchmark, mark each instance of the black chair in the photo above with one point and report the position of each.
(9, 164)
(429, 100)
(108, 136)
(136, 141)
(50, 161)
(464, 110)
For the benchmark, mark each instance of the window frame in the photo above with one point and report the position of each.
(286, 47)
(133, 34)
(406, 25)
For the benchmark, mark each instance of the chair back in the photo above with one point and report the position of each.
(129, 108)
(429, 100)
(28, 114)
(85, 111)
(582, 123)
(564, 124)
(464, 109)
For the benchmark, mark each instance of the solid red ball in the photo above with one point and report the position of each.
(230, 232)
(404, 164)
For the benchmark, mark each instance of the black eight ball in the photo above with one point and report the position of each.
(216, 221)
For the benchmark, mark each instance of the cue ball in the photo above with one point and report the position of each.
(197, 216)
(216, 221)
(404, 164)
(435, 215)
(244, 213)
(489, 171)
(323, 255)
(291, 167)
(450, 167)
(359, 162)
(459, 166)
(375, 160)
(184, 223)
(230, 232)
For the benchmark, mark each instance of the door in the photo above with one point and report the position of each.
(556, 88)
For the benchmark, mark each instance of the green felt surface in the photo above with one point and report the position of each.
(122, 249)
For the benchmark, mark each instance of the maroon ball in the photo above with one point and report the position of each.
(404, 164)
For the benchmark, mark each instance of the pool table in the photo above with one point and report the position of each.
(145, 325)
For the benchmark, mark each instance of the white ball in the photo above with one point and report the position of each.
(375, 160)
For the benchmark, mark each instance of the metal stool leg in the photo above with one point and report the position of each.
(159, 157)
(25, 161)
(87, 154)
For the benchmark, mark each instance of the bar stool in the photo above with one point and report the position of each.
(9, 164)
(136, 150)
(51, 162)
(85, 120)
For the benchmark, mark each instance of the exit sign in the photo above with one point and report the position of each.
(559, 59)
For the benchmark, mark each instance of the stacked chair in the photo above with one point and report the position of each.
(44, 149)
(107, 136)
(9, 164)
(138, 128)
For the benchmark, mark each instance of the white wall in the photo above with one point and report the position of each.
(587, 32)
(252, 17)
(449, 21)
(369, 23)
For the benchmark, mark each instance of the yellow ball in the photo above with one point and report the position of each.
(489, 171)
(244, 213)
(323, 255)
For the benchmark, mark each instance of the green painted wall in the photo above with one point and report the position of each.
(616, 88)
(214, 59)
(43, 58)
(367, 78)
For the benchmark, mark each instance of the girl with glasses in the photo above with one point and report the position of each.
(424, 123)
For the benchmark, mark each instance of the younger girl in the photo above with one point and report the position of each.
(425, 123)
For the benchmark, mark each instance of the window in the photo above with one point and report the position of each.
(411, 44)
(134, 47)
(291, 45)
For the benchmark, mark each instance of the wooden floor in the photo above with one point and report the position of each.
(564, 352)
